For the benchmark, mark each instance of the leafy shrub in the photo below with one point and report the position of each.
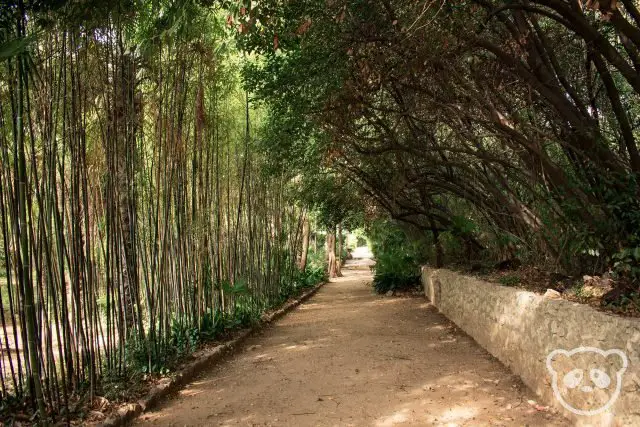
(314, 275)
(183, 338)
(301, 280)
(626, 301)
(244, 314)
(627, 263)
(398, 258)
(145, 356)
(212, 325)
(317, 258)
(385, 282)
(316, 269)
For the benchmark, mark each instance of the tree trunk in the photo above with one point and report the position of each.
(305, 244)
(438, 245)
(331, 252)
(124, 134)
(24, 261)
(339, 256)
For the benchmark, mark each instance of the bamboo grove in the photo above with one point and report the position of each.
(134, 214)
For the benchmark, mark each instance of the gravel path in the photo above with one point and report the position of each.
(349, 357)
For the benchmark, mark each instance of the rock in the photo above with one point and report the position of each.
(594, 291)
(97, 415)
(389, 293)
(596, 286)
(552, 294)
(606, 283)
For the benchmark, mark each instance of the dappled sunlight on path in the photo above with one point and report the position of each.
(349, 357)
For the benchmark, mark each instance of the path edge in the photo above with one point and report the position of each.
(129, 412)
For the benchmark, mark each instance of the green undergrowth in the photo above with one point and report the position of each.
(509, 280)
(151, 358)
(398, 258)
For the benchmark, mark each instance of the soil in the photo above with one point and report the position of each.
(349, 357)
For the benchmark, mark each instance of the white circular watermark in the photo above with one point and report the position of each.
(586, 380)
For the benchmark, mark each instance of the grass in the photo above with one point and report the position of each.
(509, 280)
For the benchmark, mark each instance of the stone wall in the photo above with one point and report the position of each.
(521, 329)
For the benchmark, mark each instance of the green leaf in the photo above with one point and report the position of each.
(15, 47)
(240, 287)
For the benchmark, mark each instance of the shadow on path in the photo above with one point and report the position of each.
(349, 357)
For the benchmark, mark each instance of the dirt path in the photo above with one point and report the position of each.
(348, 357)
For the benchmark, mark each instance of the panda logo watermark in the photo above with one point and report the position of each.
(587, 380)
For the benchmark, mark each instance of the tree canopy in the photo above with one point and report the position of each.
(514, 123)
